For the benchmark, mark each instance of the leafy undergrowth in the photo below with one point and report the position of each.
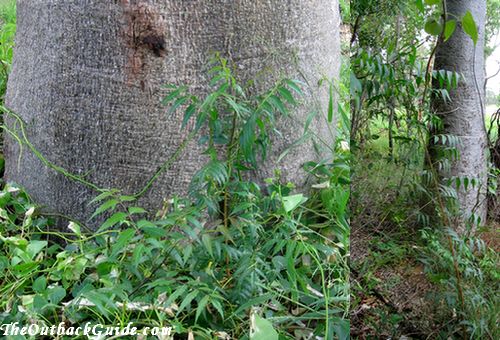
(403, 278)
(265, 262)
(277, 260)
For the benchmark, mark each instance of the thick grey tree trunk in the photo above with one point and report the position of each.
(462, 117)
(87, 78)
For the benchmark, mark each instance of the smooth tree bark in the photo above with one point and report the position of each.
(87, 79)
(462, 116)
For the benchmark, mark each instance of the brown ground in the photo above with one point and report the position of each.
(399, 304)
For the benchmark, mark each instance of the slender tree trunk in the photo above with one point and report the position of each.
(463, 115)
(87, 77)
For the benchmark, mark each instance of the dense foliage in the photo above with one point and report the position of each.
(266, 260)
(401, 208)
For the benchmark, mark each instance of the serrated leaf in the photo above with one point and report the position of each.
(114, 219)
(136, 210)
(171, 299)
(207, 242)
(201, 307)
(111, 204)
(187, 300)
(179, 102)
(174, 94)
(191, 109)
(102, 196)
(122, 240)
(277, 103)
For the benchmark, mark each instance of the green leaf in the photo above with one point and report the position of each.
(56, 294)
(420, 5)
(293, 201)
(102, 196)
(469, 26)
(218, 306)
(180, 101)
(330, 105)
(432, 2)
(175, 295)
(174, 94)
(188, 114)
(207, 242)
(187, 300)
(151, 229)
(111, 204)
(34, 247)
(122, 241)
(278, 104)
(293, 85)
(262, 329)
(449, 29)
(287, 95)
(201, 307)
(433, 27)
(40, 284)
(136, 210)
(116, 218)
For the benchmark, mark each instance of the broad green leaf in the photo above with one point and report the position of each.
(432, 2)
(34, 247)
(293, 201)
(449, 29)
(262, 329)
(433, 27)
(469, 26)
(40, 284)
(56, 294)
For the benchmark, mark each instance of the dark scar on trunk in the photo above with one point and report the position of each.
(144, 34)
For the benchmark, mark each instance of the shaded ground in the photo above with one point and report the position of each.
(392, 296)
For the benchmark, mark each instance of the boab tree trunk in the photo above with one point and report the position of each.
(87, 79)
(462, 116)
